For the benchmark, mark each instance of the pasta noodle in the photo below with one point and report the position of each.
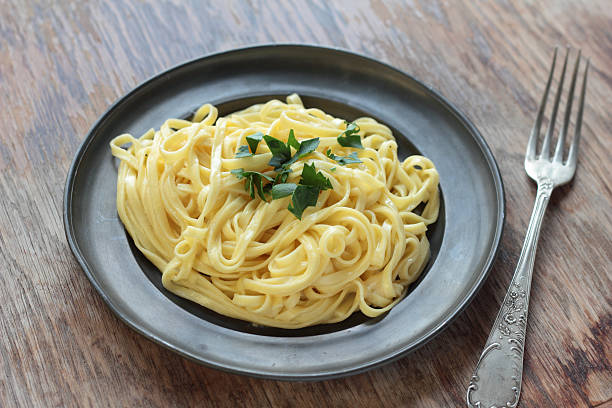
(358, 249)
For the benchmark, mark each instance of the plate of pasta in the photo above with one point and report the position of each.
(285, 211)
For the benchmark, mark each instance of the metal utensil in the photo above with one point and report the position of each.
(497, 378)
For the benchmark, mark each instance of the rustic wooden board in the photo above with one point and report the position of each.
(61, 67)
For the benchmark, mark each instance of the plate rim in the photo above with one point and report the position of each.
(417, 343)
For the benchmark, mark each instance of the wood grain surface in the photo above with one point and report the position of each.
(62, 65)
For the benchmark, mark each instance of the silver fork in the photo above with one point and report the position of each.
(497, 378)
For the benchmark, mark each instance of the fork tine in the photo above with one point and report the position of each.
(568, 110)
(573, 152)
(553, 117)
(535, 131)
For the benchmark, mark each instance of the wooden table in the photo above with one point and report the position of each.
(62, 66)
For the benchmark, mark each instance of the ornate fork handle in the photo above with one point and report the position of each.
(496, 381)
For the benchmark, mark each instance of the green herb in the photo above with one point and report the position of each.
(282, 190)
(253, 141)
(243, 151)
(292, 141)
(303, 196)
(281, 175)
(254, 181)
(304, 149)
(239, 173)
(281, 152)
(305, 193)
(344, 160)
(350, 137)
(312, 177)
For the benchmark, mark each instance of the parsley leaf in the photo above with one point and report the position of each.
(247, 151)
(304, 149)
(239, 173)
(344, 160)
(243, 151)
(292, 141)
(257, 179)
(242, 173)
(281, 152)
(254, 181)
(282, 190)
(303, 196)
(306, 192)
(314, 178)
(253, 141)
(281, 175)
(350, 137)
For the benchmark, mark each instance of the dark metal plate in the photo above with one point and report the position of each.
(464, 241)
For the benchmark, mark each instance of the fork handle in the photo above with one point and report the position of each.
(497, 378)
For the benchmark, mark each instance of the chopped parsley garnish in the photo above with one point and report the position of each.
(254, 181)
(303, 149)
(281, 152)
(243, 151)
(305, 193)
(282, 190)
(312, 177)
(302, 197)
(253, 141)
(281, 175)
(292, 141)
(344, 160)
(247, 151)
(350, 137)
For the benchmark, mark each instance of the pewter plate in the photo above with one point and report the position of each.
(464, 241)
